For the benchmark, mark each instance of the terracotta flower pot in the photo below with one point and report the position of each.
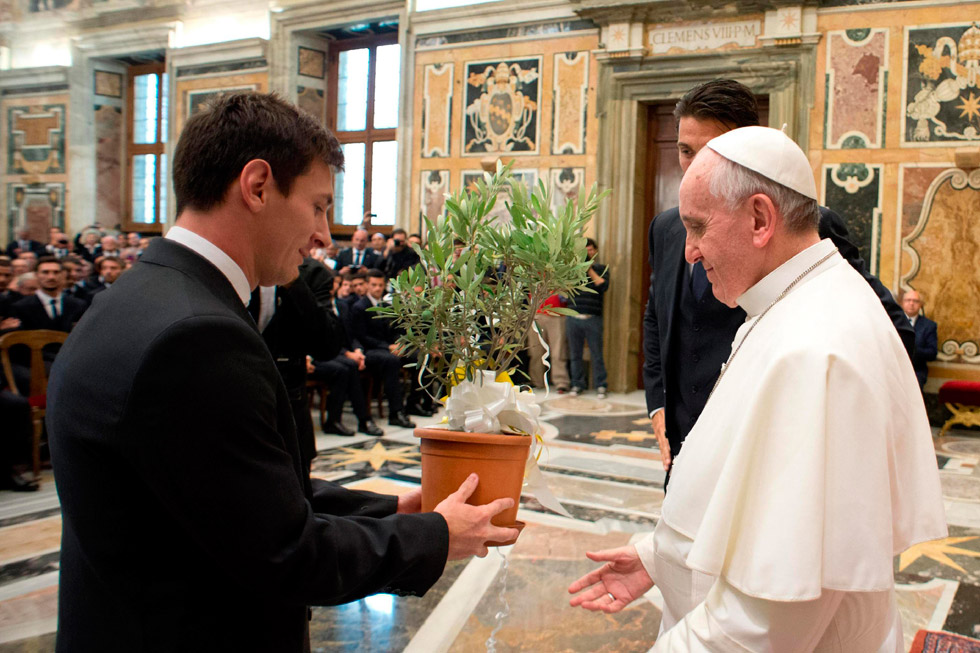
(448, 457)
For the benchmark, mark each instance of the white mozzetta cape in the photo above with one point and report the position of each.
(812, 464)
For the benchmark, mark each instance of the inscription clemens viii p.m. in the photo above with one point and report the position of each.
(707, 36)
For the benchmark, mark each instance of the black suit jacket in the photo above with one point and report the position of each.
(926, 347)
(373, 331)
(666, 243)
(370, 259)
(188, 522)
(32, 246)
(32, 314)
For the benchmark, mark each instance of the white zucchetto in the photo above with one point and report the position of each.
(769, 152)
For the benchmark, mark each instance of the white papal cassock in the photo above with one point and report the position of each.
(811, 466)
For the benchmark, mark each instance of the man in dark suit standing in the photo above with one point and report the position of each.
(926, 335)
(358, 255)
(687, 333)
(50, 307)
(187, 518)
(24, 243)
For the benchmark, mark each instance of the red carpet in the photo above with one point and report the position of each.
(927, 641)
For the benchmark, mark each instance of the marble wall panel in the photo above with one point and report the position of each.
(109, 141)
(499, 212)
(500, 109)
(191, 94)
(311, 62)
(941, 97)
(570, 102)
(856, 84)
(854, 191)
(434, 187)
(565, 186)
(35, 207)
(437, 107)
(941, 255)
(35, 139)
(108, 84)
(313, 101)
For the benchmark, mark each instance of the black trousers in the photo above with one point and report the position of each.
(341, 376)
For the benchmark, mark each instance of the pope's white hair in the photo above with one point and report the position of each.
(734, 183)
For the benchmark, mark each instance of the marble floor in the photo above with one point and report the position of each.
(603, 464)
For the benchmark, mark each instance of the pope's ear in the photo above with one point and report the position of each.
(764, 218)
(254, 183)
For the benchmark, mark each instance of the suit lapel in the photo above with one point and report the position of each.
(673, 270)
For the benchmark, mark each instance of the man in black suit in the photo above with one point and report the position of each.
(358, 255)
(187, 519)
(107, 271)
(926, 335)
(50, 307)
(687, 333)
(381, 351)
(24, 243)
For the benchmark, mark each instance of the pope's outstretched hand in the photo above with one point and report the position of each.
(614, 585)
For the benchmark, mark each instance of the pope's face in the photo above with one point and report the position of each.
(720, 239)
(692, 135)
(292, 225)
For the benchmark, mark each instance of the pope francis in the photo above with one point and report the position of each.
(812, 464)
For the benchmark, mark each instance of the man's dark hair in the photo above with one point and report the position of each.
(361, 274)
(102, 260)
(590, 242)
(419, 236)
(725, 100)
(375, 273)
(48, 259)
(237, 128)
(397, 231)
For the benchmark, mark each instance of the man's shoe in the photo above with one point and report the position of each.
(368, 427)
(20, 483)
(575, 391)
(420, 410)
(336, 427)
(601, 393)
(401, 419)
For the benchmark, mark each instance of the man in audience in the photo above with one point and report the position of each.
(926, 336)
(24, 243)
(109, 268)
(19, 266)
(586, 327)
(29, 259)
(49, 307)
(110, 247)
(59, 246)
(383, 355)
(132, 250)
(88, 246)
(358, 255)
(26, 284)
(358, 285)
(378, 244)
(7, 296)
(226, 542)
(330, 253)
(399, 255)
(75, 275)
(549, 328)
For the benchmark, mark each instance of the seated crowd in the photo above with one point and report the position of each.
(319, 329)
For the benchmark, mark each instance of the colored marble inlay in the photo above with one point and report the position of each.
(109, 130)
(942, 95)
(570, 91)
(35, 207)
(312, 101)
(944, 250)
(437, 106)
(500, 111)
(565, 186)
(432, 197)
(857, 70)
(37, 139)
(853, 191)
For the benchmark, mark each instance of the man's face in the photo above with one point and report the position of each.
(27, 286)
(291, 226)
(109, 244)
(378, 242)
(344, 289)
(911, 303)
(18, 267)
(359, 287)
(29, 259)
(6, 275)
(71, 271)
(54, 235)
(720, 239)
(376, 287)
(591, 251)
(359, 240)
(416, 240)
(331, 251)
(50, 277)
(133, 239)
(692, 135)
(111, 269)
(144, 243)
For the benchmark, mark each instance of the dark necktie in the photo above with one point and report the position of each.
(255, 305)
(54, 309)
(357, 258)
(699, 280)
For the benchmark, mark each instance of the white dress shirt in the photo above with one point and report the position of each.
(46, 300)
(216, 257)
